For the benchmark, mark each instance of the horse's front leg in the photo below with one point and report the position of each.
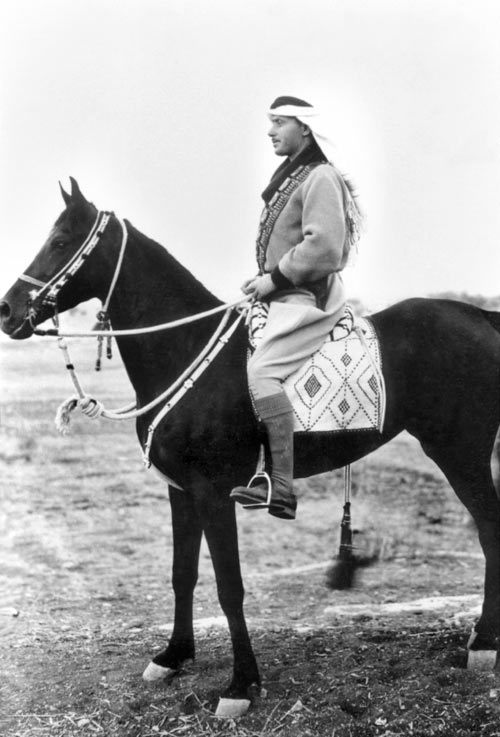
(187, 532)
(220, 530)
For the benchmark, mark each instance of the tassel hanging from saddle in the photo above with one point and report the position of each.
(103, 323)
(341, 574)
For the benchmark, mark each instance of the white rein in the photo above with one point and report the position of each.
(55, 332)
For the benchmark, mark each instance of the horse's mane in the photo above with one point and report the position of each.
(180, 279)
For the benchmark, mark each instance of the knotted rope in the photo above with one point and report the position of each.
(88, 405)
(94, 409)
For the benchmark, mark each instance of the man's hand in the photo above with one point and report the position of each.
(259, 287)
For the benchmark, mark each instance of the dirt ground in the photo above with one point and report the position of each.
(86, 555)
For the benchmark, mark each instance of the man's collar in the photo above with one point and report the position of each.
(309, 155)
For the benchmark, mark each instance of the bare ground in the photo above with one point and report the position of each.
(86, 554)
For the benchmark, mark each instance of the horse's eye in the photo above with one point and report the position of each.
(58, 244)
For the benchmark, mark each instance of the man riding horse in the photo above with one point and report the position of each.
(308, 226)
(441, 369)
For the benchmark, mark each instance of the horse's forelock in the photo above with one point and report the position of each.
(76, 212)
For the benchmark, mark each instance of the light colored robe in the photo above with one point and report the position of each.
(308, 245)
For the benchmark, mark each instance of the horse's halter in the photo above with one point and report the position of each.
(48, 291)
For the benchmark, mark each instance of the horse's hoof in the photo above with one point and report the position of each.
(481, 660)
(232, 708)
(155, 672)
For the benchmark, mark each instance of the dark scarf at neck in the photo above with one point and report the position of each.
(309, 155)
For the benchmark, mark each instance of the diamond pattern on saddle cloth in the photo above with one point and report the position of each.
(337, 389)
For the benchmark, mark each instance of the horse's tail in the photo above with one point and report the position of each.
(493, 318)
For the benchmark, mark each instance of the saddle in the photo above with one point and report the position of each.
(341, 387)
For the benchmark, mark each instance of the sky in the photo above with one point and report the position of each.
(158, 109)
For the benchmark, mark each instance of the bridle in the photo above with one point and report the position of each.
(47, 294)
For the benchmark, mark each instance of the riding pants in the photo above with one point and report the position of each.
(295, 329)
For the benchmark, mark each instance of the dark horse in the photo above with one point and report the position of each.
(441, 364)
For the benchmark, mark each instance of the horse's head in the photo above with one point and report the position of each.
(52, 278)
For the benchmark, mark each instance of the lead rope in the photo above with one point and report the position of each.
(89, 406)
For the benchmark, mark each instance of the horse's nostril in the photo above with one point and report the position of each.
(4, 310)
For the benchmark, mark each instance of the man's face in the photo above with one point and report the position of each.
(288, 135)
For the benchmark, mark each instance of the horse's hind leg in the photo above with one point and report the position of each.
(483, 644)
(470, 476)
(187, 532)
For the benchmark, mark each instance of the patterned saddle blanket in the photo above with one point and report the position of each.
(341, 387)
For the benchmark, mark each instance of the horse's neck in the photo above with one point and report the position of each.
(153, 288)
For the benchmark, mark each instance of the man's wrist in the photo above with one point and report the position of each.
(280, 281)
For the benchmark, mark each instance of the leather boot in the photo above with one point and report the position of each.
(276, 414)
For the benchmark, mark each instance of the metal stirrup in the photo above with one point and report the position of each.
(259, 476)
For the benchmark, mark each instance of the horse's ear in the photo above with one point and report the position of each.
(66, 197)
(75, 191)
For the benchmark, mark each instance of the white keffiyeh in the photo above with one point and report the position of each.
(310, 116)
